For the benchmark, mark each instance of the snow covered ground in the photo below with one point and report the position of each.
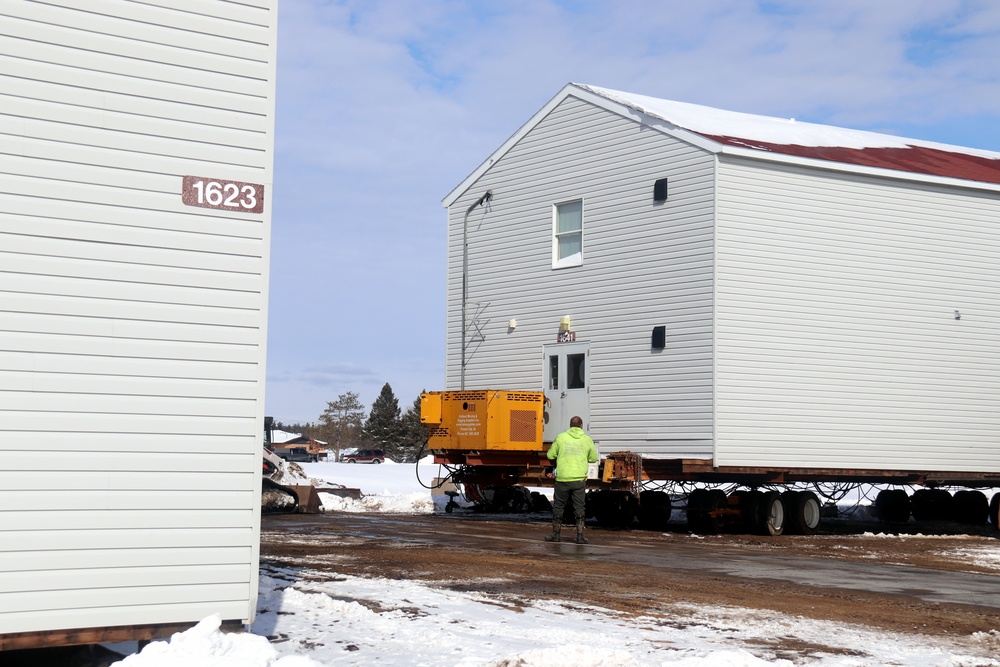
(315, 619)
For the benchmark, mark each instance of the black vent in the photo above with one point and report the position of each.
(659, 338)
(660, 190)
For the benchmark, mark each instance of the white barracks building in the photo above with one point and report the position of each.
(136, 157)
(743, 292)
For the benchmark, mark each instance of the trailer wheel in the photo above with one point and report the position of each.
(802, 512)
(654, 510)
(696, 504)
(995, 511)
(716, 504)
(615, 509)
(932, 505)
(812, 513)
(922, 505)
(892, 506)
(970, 507)
(770, 514)
(790, 501)
(748, 503)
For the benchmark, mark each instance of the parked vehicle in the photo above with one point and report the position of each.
(364, 456)
(297, 454)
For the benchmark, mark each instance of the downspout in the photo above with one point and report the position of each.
(465, 268)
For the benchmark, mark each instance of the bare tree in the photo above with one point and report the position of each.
(341, 422)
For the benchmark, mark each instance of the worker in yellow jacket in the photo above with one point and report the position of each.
(572, 452)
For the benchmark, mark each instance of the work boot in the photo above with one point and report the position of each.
(580, 539)
(556, 528)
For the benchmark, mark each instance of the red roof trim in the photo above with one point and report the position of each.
(914, 159)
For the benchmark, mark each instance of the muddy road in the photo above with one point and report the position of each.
(937, 585)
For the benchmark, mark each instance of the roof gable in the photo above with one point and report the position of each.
(766, 137)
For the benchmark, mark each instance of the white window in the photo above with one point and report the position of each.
(567, 240)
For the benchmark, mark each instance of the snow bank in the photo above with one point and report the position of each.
(206, 646)
(409, 503)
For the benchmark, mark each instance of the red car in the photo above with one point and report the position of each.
(364, 456)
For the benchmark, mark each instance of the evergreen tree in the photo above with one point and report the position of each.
(340, 425)
(414, 432)
(384, 427)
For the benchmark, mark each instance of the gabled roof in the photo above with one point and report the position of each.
(780, 139)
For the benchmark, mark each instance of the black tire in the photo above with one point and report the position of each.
(770, 514)
(943, 503)
(351, 461)
(696, 504)
(654, 510)
(615, 509)
(892, 506)
(790, 501)
(715, 505)
(922, 505)
(811, 513)
(747, 502)
(376, 461)
(970, 507)
(540, 503)
(802, 510)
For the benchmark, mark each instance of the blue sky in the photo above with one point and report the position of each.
(384, 106)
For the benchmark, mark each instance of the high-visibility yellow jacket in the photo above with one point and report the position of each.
(572, 451)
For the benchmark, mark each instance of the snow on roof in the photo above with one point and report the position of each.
(810, 140)
(278, 436)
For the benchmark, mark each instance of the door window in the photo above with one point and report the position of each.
(575, 371)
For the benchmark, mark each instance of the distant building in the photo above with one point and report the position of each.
(281, 440)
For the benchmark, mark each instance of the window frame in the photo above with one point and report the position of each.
(576, 259)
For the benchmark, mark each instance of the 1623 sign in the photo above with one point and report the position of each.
(223, 195)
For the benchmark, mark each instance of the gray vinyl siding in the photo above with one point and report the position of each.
(837, 341)
(644, 265)
(132, 332)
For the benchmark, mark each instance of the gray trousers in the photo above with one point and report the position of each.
(566, 491)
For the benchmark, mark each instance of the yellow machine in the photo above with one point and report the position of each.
(483, 420)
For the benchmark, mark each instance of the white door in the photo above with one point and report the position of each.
(566, 373)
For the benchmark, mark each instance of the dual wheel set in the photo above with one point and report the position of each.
(965, 506)
(761, 512)
(712, 510)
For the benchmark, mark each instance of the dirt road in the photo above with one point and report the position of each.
(938, 585)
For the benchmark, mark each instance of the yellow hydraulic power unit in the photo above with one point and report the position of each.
(483, 419)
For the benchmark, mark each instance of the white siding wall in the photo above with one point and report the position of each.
(837, 341)
(131, 326)
(644, 265)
